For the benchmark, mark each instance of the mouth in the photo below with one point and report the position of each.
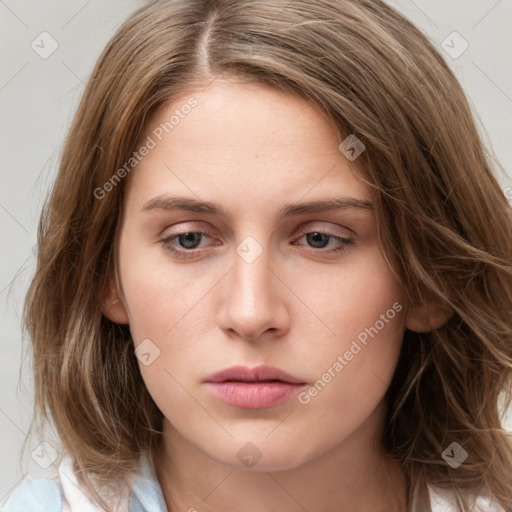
(258, 388)
(260, 374)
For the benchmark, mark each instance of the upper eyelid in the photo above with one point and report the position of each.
(300, 234)
(305, 228)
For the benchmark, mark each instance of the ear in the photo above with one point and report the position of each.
(112, 304)
(427, 316)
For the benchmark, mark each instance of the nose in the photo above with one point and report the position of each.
(253, 299)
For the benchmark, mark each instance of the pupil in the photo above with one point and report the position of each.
(190, 239)
(313, 239)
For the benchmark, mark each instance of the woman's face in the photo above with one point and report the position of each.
(266, 275)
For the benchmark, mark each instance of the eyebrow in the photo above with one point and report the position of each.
(191, 204)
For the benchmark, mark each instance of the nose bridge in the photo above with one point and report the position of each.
(251, 302)
(251, 273)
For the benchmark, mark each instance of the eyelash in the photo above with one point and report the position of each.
(184, 254)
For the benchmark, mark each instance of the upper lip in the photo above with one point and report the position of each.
(258, 374)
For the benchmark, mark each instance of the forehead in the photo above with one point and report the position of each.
(234, 116)
(247, 138)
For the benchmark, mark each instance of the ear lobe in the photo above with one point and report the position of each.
(427, 316)
(112, 305)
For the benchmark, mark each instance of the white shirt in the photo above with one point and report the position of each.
(63, 493)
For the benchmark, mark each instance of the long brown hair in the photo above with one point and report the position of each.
(444, 224)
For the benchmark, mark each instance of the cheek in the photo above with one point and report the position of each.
(158, 294)
(353, 299)
(168, 316)
(353, 364)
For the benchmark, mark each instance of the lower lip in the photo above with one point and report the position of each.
(254, 395)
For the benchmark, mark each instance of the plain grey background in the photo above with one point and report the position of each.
(39, 94)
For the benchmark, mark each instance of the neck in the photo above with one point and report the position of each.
(353, 476)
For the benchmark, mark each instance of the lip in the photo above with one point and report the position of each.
(257, 374)
(257, 388)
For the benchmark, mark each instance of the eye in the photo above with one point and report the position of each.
(187, 242)
(321, 240)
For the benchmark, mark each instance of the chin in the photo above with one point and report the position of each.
(251, 457)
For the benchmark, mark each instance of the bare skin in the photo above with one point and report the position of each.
(299, 305)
